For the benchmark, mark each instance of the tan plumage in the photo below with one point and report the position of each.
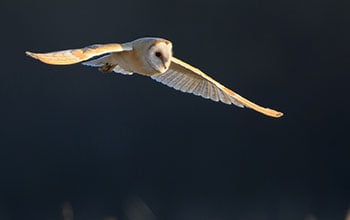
(152, 57)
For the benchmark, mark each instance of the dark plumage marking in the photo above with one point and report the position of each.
(158, 54)
(107, 68)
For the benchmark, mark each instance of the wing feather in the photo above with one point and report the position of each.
(180, 82)
(224, 98)
(175, 79)
(198, 88)
(206, 90)
(186, 85)
(186, 78)
(213, 93)
(71, 56)
(193, 86)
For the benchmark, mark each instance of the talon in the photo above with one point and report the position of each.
(107, 68)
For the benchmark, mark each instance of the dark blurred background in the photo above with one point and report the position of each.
(70, 133)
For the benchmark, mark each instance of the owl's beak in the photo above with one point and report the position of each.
(164, 64)
(165, 61)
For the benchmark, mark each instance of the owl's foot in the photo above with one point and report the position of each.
(107, 68)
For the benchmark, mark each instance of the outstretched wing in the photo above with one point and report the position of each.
(186, 78)
(71, 56)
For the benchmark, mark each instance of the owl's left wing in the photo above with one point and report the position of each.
(186, 78)
(71, 56)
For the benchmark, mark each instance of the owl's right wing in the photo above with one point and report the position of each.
(71, 56)
(186, 78)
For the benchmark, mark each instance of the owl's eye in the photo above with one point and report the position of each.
(158, 54)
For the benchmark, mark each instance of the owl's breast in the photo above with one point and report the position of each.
(133, 62)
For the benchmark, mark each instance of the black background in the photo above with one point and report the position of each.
(70, 133)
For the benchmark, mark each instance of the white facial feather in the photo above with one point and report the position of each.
(159, 56)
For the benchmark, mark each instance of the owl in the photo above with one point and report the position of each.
(152, 57)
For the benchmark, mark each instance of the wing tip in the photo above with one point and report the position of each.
(273, 113)
(279, 114)
(38, 56)
(31, 54)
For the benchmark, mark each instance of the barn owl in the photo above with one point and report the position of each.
(152, 57)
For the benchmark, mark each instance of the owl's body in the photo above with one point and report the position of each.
(152, 57)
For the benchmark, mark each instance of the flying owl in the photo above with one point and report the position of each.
(152, 57)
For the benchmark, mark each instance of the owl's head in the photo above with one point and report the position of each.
(159, 55)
